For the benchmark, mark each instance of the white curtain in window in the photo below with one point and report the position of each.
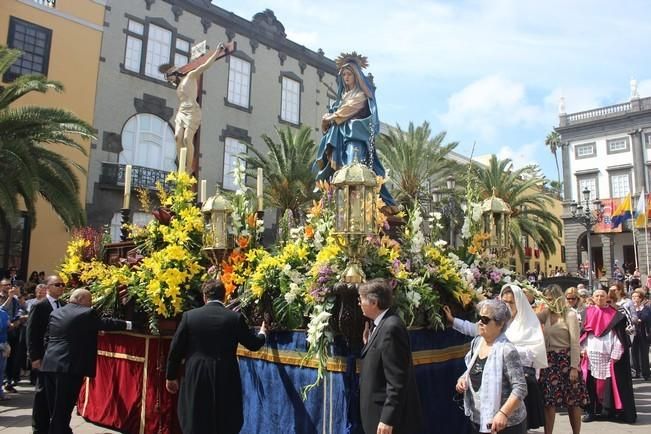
(159, 45)
(232, 148)
(133, 54)
(620, 185)
(290, 103)
(239, 77)
(148, 141)
(590, 184)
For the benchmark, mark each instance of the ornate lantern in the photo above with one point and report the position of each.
(496, 216)
(354, 199)
(216, 213)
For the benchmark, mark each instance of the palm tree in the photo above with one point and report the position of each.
(416, 161)
(29, 165)
(553, 141)
(287, 169)
(522, 190)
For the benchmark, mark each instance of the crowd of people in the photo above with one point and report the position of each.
(531, 355)
(17, 298)
(56, 342)
(594, 344)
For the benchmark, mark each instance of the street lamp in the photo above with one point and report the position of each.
(354, 187)
(587, 214)
(449, 207)
(216, 212)
(495, 222)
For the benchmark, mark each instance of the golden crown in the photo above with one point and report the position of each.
(361, 61)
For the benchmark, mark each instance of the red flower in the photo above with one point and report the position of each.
(163, 215)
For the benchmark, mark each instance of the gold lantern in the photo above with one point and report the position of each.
(354, 187)
(496, 216)
(216, 211)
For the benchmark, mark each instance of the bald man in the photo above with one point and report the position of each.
(71, 355)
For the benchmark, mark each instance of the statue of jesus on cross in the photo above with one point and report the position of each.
(188, 116)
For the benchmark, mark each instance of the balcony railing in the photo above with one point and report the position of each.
(600, 112)
(46, 3)
(141, 177)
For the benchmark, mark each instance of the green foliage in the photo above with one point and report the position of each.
(29, 161)
(289, 181)
(523, 190)
(415, 161)
(553, 141)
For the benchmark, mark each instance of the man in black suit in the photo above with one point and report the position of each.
(39, 317)
(71, 355)
(389, 401)
(210, 396)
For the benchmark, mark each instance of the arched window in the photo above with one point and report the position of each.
(148, 141)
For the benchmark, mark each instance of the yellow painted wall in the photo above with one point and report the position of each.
(555, 260)
(74, 61)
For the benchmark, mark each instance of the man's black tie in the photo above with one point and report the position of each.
(371, 328)
(56, 303)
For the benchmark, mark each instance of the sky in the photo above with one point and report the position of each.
(489, 72)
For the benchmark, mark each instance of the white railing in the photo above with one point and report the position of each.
(600, 112)
(46, 3)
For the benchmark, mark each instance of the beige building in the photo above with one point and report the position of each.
(60, 39)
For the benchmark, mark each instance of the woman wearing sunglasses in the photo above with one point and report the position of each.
(493, 384)
(525, 333)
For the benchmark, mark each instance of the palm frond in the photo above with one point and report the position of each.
(30, 162)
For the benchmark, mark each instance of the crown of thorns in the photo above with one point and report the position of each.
(344, 58)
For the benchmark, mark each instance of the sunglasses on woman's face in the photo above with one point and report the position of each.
(485, 319)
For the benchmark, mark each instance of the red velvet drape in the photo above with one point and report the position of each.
(114, 398)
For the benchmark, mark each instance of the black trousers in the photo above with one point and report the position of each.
(40, 411)
(62, 392)
(640, 355)
(12, 370)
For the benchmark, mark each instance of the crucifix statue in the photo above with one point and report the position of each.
(187, 81)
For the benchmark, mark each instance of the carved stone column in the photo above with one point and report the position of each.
(567, 176)
(637, 146)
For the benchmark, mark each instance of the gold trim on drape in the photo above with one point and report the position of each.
(338, 363)
(121, 356)
(143, 397)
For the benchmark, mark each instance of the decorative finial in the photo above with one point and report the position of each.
(561, 105)
(344, 58)
(634, 93)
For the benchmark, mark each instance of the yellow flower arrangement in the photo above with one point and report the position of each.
(447, 272)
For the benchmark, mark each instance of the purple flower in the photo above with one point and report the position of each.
(495, 276)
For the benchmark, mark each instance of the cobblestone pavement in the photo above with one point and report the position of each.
(15, 416)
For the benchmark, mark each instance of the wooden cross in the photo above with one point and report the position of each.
(223, 49)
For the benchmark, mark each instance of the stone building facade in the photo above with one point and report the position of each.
(606, 151)
(268, 82)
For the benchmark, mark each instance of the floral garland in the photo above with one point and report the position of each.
(293, 283)
(165, 274)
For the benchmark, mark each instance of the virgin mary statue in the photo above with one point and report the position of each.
(351, 124)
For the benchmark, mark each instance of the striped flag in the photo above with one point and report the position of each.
(640, 211)
(622, 213)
